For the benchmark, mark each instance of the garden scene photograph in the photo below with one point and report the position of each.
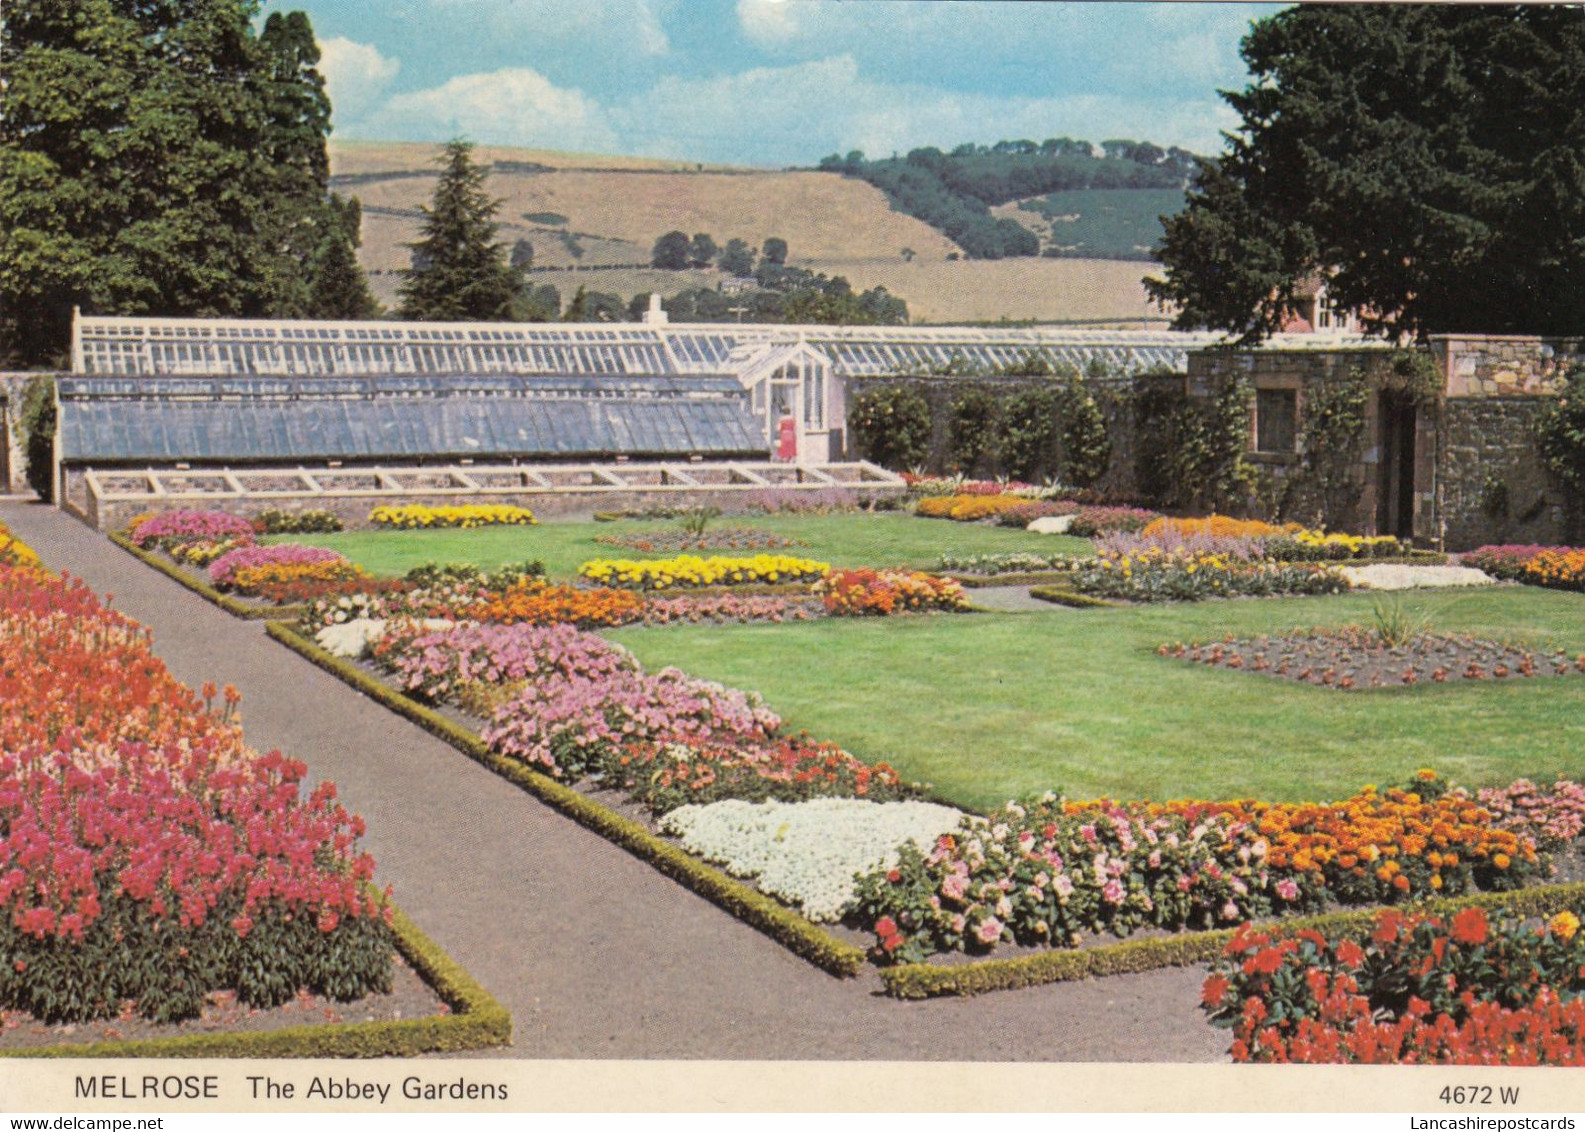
(790, 532)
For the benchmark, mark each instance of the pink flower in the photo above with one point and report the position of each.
(989, 930)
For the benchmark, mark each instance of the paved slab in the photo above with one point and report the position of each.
(1011, 599)
(594, 952)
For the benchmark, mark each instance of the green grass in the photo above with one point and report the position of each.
(992, 706)
(883, 539)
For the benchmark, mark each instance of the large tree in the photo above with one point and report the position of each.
(155, 158)
(1427, 160)
(459, 271)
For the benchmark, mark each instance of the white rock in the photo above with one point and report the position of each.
(1387, 576)
(353, 638)
(1051, 525)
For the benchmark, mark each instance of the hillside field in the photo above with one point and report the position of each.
(593, 219)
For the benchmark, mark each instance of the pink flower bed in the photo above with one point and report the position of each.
(436, 664)
(665, 611)
(1552, 818)
(191, 526)
(561, 724)
(222, 571)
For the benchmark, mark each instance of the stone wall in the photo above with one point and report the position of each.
(13, 458)
(1504, 366)
(353, 508)
(1493, 487)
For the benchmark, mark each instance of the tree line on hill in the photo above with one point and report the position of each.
(165, 158)
(953, 192)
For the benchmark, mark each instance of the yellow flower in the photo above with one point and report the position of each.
(1564, 925)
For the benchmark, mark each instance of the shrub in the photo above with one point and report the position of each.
(1561, 433)
(971, 430)
(1086, 447)
(890, 424)
(1030, 432)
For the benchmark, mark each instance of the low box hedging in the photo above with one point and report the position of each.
(788, 928)
(1061, 595)
(234, 606)
(1033, 578)
(477, 1021)
(928, 980)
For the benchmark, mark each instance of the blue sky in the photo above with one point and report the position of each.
(777, 82)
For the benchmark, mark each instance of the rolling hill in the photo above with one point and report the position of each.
(593, 219)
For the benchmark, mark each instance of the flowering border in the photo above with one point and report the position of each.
(929, 980)
(232, 605)
(478, 1021)
(799, 935)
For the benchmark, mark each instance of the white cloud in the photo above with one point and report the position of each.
(768, 22)
(512, 106)
(356, 75)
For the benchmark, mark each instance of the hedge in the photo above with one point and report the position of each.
(232, 605)
(1032, 578)
(927, 980)
(1060, 595)
(754, 908)
(477, 1021)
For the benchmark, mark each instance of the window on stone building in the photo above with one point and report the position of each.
(1276, 420)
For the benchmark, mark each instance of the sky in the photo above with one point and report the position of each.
(777, 82)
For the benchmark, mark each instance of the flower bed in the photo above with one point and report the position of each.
(722, 538)
(989, 565)
(1459, 990)
(1551, 818)
(273, 521)
(968, 508)
(807, 853)
(148, 854)
(663, 776)
(1155, 575)
(1507, 561)
(534, 601)
(1044, 872)
(289, 555)
(687, 571)
(862, 593)
(1094, 522)
(174, 527)
(1351, 657)
(728, 609)
(416, 516)
(1216, 526)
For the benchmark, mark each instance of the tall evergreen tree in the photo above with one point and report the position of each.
(154, 158)
(459, 272)
(1429, 160)
(339, 289)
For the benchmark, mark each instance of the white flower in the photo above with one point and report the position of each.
(809, 853)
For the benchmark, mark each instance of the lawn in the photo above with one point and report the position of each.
(882, 539)
(992, 706)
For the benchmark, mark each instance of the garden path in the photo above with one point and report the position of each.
(595, 953)
(1010, 599)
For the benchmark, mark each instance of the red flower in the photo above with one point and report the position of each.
(1214, 991)
(1469, 927)
(885, 926)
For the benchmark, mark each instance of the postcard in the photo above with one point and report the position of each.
(792, 555)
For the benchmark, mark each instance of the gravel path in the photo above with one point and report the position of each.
(594, 952)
